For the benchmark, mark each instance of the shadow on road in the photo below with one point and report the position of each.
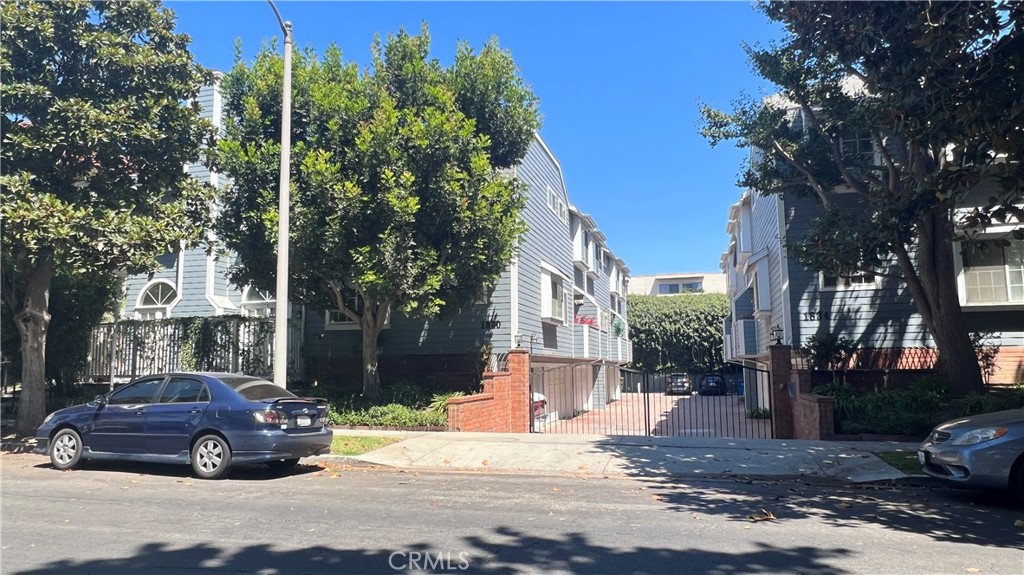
(236, 473)
(943, 514)
(505, 551)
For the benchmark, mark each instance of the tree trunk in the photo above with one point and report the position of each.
(370, 328)
(32, 322)
(931, 278)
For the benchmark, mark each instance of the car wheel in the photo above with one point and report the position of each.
(66, 449)
(282, 464)
(211, 457)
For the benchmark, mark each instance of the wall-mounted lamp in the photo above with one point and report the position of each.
(776, 334)
(519, 338)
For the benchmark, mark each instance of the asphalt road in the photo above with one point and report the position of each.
(115, 519)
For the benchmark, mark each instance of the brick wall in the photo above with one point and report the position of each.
(813, 417)
(780, 365)
(504, 404)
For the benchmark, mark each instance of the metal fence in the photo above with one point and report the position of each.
(589, 399)
(128, 349)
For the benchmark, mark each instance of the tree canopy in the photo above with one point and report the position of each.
(95, 135)
(682, 332)
(400, 199)
(915, 111)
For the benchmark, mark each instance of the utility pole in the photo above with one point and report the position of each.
(283, 210)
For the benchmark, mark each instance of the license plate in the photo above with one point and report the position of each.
(303, 421)
(921, 457)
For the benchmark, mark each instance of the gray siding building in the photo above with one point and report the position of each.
(562, 298)
(775, 298)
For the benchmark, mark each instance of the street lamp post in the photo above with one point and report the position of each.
(283, 209)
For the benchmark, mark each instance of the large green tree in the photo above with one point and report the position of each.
(400, 197)
(682, 332)
(914, 110)
(95, 135)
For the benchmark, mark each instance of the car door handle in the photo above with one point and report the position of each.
(194, 410)
(140, 412)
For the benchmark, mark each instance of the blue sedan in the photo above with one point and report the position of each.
(208, 420)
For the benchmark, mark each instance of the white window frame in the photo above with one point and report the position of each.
(848, 284)
(1007, 279)
(336, 320)
(557, 205)
(257, 303)
(553, 308)
(163, 301)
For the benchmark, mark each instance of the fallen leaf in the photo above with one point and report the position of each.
(555, 489)
(657, 497)
(973, 570)
(447, 461)
(485, 462)
(764, 515)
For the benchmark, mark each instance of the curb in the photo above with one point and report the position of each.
(16, 447)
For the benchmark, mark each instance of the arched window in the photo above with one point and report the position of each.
(155, 301)
(257, 303)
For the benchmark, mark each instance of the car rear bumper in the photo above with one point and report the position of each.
(272, 445)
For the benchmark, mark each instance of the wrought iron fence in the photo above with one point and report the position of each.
(128, 349)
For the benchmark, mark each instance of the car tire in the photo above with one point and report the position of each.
(211, 457)
(65, 449)
(282, 464)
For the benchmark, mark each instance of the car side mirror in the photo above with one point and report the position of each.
(100, 400)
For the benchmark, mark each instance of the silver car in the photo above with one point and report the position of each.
(984, 451)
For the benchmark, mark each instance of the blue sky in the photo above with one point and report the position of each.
(618, 85)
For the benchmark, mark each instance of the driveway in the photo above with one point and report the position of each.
(665, 415)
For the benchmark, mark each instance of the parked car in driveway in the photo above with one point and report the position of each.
(984, 451)
(678, 383)
(209, 420)
(712, 384)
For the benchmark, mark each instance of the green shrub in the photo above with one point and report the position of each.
(974, 403)
(760, 413)
(391, 415)
(405, 393)
(913, 410)
(843, 395)
(440, 402)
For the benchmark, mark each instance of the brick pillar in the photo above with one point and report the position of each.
(780, 366)
(519, 391)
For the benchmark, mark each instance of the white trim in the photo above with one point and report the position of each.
(874, 285)
(208, 288)
(546, 266)
(787, 315)
(995, 232)
(139, 308)
(179, 277)
(513, 301)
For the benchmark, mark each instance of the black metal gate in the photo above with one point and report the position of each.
(610, 400)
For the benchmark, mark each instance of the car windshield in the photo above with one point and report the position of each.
(255, 389)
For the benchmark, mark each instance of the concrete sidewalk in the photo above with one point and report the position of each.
(634, 456)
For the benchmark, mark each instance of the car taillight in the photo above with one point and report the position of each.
(269, 417)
